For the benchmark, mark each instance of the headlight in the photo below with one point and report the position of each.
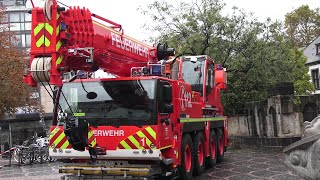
(152, 146)
(144, 151)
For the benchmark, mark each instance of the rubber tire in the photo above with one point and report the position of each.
(186, 140)
(199, 169)
(212, 161)
(220, 153)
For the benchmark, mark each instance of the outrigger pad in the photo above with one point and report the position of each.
(76, 131)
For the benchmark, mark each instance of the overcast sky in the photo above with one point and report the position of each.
(125, 12)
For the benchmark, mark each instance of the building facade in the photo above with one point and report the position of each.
(312, 52)
(27, 122)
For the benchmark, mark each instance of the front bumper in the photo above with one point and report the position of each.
(124, 154)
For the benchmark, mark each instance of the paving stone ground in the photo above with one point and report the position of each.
(239, 164)
(251, 163)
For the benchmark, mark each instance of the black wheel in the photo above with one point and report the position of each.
(27, 158)
(45, 155)
(199, 154)
(220, 143)
(186, 167)
(212, 159)
(38, 158)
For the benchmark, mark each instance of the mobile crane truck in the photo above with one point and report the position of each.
(161, 115)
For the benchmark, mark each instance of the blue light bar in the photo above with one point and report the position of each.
(156, 70)
(219, 67)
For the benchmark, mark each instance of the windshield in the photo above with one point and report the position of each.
(110, 102)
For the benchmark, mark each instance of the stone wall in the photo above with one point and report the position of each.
(277, 117)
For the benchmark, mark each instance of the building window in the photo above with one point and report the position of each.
(20, 2)
(315, 78)
(317, 49)
(27, 26)
(15, 27)
(28, 40)
(14, 17)
(17, 41)
(27, 17)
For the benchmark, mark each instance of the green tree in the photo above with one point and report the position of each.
(14, 93)
(255, 53)
(302, 25)
(302, 84)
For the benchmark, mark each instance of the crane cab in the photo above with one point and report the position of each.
(203, 75)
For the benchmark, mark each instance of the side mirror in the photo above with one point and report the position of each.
(165, 98)
(167, 93)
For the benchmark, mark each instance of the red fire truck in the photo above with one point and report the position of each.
(160, 115)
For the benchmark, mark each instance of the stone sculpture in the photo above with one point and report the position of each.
(303, 156)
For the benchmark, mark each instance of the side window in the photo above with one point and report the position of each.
(315, 78)
(210, 78)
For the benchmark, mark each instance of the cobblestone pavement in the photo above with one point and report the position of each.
(239, 164)
(251, 163)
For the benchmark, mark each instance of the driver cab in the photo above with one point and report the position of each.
(198, 71)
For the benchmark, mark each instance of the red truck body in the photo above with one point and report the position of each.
(156, 117)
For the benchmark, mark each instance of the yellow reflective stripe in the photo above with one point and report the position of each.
(49, 28)
(90, 133)
(43, 40)
(202, 119)
(151, 132)
(58, 15)
(56, 142)
(39, 27)
(54, 132)
(93, 143)
(75, 114)
(58, 45)
(59, 60)
(57, 30)
(125, 145)
(141, 135)
(165, 147)
(47, 42)
(65, 145)
(134, 142)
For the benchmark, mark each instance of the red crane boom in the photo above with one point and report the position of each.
(65, 40)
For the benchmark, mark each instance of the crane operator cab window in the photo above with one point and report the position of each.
(192, 72)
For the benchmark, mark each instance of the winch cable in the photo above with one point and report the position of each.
(48, 79)
(42, 75)
(62, 4)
